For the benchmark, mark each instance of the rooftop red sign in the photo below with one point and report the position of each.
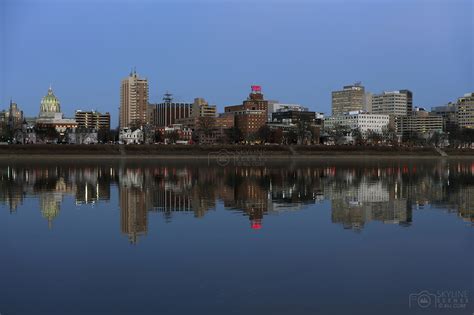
(256, 88)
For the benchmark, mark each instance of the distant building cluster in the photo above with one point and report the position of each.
(357, 117)
(50, 126)
(360, 116)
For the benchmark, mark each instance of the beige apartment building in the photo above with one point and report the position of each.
(465, 111)
(133, 101)
(92, 119)
(350, 98)
(395, 103)
(201, 108)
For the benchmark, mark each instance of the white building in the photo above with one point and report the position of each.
(358, 120)
(51, 116)
(83, 136)
(129, 136)
(275, 106)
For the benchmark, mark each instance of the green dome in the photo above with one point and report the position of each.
(49, 104)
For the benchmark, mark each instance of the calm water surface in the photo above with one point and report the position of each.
(154, 237)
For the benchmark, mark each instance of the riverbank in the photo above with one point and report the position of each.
(216, 151)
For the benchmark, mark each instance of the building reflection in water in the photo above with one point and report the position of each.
(358, 194)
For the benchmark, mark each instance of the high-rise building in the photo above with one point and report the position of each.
(396, 103)
(92, 119)
(350, 98)
(133, 101)
(168, 112)
(409, 95)
(465, 111)
(15, 116)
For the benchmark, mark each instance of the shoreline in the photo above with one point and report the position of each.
(190, 157)
(235, 152)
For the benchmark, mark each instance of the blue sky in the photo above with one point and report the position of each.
(299, 51)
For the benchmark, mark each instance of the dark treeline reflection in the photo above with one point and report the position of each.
(359, 192)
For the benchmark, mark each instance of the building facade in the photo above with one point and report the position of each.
(250, 121)
(255, 101)
(50, 115)
(358, 120)
(274, 107)
(419, 121)
(449, 114)
(168, 112)
(465, 111)
(350, 98)
(294, 116)
(201, 108)
(130, 136)
(133, 101)
(396, 103)
(252, 114)
(92, 119)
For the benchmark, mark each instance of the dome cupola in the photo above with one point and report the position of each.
(49, 105)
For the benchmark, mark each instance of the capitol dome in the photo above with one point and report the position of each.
(49, 105)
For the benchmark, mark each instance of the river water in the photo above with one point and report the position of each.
(329, 236)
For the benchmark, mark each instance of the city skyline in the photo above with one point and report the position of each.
(191, 59)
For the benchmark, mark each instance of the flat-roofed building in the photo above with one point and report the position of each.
(448, 113)
(465, 111)
(201, 108)
(92, 119)
(252, 114)
(365, 122)
(420, 121)
(396, 103)
(133, 101)
(275, 106)
(250, 121)
(255, 101)
(350, 98)
(294, 116)
(169, 112)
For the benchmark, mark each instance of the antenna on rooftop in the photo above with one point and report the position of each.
(167, 97)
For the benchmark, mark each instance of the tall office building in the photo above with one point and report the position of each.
(133, 101)
(409, 95)
(465, 111)
(92, 119)
(168, 112)
(396, 103)
(350, 98)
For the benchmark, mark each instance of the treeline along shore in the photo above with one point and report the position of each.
(195, 151)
